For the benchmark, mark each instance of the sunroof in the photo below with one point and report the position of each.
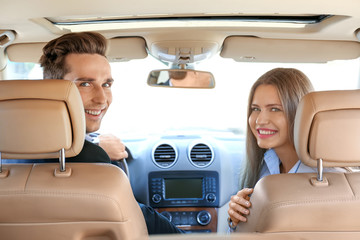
(78, 24)
(306, 19)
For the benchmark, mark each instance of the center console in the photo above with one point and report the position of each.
(189, 199)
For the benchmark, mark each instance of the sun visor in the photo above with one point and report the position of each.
(126, 48)
(253, 49)
(25, 52)
(119, 49)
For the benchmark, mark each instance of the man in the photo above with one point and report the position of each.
(87, 58)
(187, 79)
(80, 57)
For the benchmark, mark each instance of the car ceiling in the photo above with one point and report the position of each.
(29, 20)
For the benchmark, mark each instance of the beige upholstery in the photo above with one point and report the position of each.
(119, 49)
(326, 126)
(262, 49)
(262, 236)
(39, 117)
(37, 201)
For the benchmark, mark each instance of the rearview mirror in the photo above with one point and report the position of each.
(181, 78)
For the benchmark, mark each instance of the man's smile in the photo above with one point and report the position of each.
(93, 112)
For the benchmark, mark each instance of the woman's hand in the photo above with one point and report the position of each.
(239, 206)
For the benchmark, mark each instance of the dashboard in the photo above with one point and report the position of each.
(189, 178)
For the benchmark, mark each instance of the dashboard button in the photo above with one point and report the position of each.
(156, 198)
(203, 218)
(211, 197)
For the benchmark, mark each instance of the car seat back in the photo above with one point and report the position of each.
(45, 119)
(327, 134)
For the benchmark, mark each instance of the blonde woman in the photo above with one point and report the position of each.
(273, 101)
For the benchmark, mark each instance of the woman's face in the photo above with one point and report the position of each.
(267, 120)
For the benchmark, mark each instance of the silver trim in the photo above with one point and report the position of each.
(212, 154)
(62, 160)
(199, 220)
(319, 170)
(153, 155)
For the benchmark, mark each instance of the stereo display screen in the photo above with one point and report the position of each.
(183, 188)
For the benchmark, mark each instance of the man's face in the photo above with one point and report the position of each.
(92, 75)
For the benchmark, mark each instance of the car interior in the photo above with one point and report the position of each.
(186, 139)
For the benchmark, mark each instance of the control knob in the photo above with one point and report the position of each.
(203, 218)
(156, 198)
(211, 197)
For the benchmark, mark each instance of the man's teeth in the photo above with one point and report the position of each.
(266, 132)
(93, 112)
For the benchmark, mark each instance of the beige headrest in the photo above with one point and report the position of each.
(327, 126)
(40, 117)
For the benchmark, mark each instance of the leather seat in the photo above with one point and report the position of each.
(327, 134)
(45, 119)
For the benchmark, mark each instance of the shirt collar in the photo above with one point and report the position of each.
(91, 136)
(273, 162)
(88, 138)
(295, 168)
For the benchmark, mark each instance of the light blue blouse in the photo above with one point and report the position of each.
(272, 166)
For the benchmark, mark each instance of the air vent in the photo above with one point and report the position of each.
(164, 155)
(201, 155)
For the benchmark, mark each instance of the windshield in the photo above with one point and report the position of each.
(139, 109)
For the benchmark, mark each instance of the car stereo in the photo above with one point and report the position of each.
(184, 188)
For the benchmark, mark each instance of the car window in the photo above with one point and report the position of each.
(140, 109)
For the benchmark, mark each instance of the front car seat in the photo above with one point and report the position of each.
(327, 134)
(42, 119)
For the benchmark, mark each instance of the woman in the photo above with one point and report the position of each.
(270, 149)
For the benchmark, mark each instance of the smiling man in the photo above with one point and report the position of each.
(86, 65)
(80, 57)
(92, 75)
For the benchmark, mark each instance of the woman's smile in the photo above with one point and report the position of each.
(265, 133)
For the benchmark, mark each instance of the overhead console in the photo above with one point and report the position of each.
(183, 52)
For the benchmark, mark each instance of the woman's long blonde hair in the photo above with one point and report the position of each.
(291, 85)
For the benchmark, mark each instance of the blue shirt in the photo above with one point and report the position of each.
(272, 166)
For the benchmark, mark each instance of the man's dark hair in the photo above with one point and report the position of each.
(55, 51)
